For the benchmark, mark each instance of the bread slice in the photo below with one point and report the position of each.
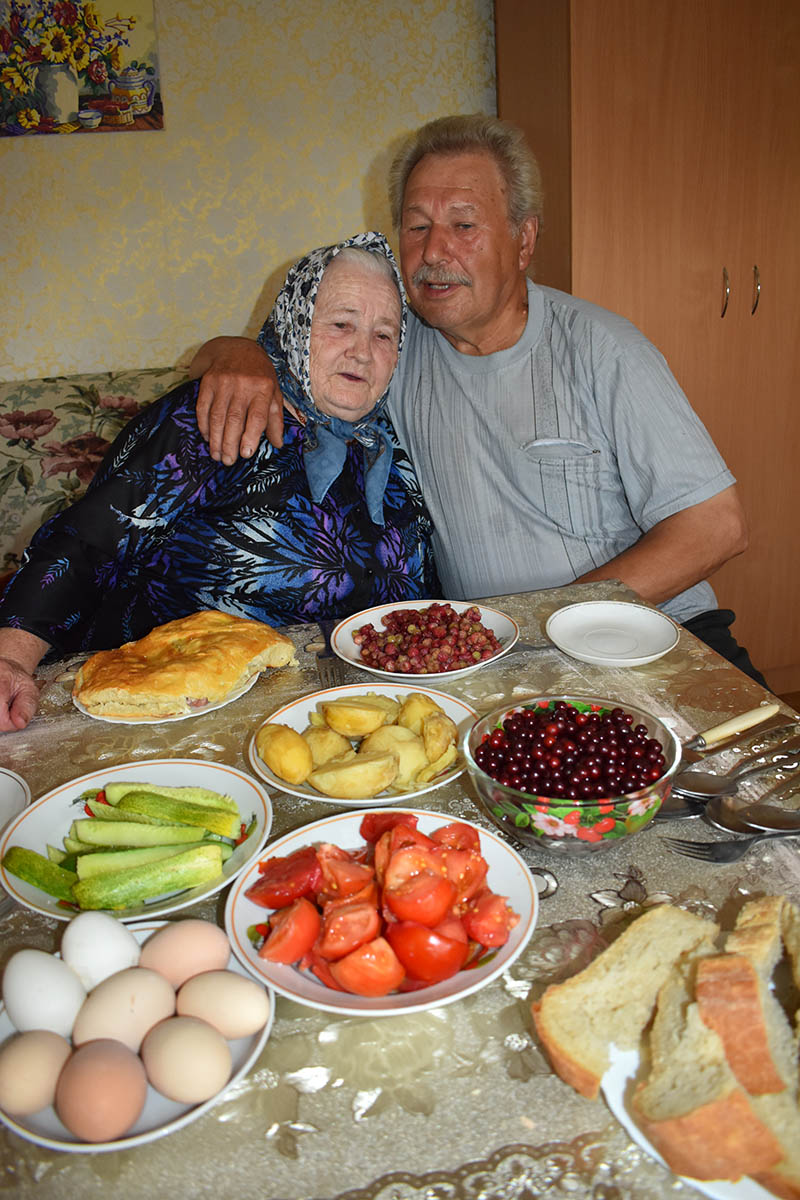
(180, 667)
(690, 1105)
(612, 1000)
(735, 999)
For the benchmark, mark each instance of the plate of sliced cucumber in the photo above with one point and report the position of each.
(138, 839)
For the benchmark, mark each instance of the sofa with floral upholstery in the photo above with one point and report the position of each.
(53, 436)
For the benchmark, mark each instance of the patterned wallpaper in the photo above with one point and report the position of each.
(280, 117)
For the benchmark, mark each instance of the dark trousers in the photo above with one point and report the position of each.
(713, 628)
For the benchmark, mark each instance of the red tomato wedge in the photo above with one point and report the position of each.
(342, 875)
(286, 879)
(376, 823)
(489, 919)
(426, 897)
(372, 970)
(293, 931)
(409, 861)
(458, 836)
(426, 955)
(467, 870)
(345, 927)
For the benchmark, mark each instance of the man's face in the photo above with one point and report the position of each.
(463, 266)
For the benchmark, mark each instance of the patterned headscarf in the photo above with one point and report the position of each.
(286, 337)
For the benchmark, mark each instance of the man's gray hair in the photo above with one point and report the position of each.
(470, 133)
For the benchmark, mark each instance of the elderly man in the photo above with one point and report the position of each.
(551, 441)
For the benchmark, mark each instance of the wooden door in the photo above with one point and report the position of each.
(685, 162)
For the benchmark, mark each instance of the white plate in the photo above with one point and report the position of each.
(505, 629)
(507, 875)
(296, 716)
(14, 795)
(46, 821)
(612, 633)
(160, 1116)
(196, 712)
(624, 1064)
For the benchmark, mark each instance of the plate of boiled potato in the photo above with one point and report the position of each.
(362, 744)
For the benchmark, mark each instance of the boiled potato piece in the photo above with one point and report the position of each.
(406, 745)
(438, 732)
(354, 717)
(435, 768)
(358, 778)
(285, 752)
(392, 706)
(414, 710)
(324, 743)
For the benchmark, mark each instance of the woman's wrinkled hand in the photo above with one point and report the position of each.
(239, 397)
(19, 696)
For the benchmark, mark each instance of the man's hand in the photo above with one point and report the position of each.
(19, 696)
(239, 397)
(681, 550)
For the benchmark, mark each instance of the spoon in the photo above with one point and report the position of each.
(766, 816)
(719, 811)
(699, 785)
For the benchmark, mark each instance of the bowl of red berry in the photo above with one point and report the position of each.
(571, 774)
(415, 639)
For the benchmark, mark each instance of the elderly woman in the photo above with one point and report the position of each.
(330, 523)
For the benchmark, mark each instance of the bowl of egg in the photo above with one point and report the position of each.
(128, 1034)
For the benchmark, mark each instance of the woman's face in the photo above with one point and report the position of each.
(355, 332)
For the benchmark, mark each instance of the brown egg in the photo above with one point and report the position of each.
(185, 948)
(124, 1007)
(101, 1091)
(233, 1004)
(30, 1065)
(186, 1060)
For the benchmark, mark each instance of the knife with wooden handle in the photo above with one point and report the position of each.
(727, 729)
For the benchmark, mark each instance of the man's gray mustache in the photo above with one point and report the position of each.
(437, 275)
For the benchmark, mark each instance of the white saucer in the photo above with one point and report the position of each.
(612, 633)
(14, 795)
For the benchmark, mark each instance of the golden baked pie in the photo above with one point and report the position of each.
(181, 667)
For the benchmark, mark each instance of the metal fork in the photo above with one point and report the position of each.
(330, 667)
(720, 852)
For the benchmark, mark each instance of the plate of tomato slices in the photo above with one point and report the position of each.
(381, 912)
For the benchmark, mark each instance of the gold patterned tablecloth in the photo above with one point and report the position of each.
(458, 1102)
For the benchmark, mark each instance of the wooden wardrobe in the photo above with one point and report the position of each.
(669, 137)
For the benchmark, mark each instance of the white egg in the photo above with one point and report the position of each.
(96, 946)
(41, 991)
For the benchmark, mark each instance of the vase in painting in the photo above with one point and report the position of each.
(57, 89)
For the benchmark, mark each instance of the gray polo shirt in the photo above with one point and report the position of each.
(543, 461)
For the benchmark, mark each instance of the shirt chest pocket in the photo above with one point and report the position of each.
(575, 486)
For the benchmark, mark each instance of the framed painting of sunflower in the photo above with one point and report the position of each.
(69, 66)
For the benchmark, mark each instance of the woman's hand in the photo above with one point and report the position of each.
(20, 653)
(239, 397)
(19, 696)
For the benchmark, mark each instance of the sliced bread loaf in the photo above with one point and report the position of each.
(690, 1105)
(612, 1000)
(735, 999)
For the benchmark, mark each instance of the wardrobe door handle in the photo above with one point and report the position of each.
(726, 291)
(756, 290)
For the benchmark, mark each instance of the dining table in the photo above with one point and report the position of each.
(456, 1102)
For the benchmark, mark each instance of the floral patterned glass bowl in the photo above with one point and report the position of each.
(558, 823)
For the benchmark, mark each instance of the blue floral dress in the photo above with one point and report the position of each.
(164, 530)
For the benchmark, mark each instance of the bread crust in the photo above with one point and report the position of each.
(723, 1139)
(180, 667)
(729, 998)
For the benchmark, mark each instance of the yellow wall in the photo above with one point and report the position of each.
(130, 249)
